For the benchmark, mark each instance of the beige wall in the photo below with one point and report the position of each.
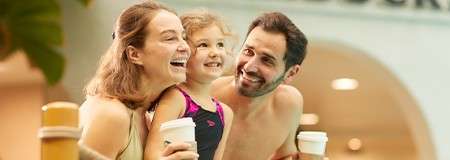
(19, 121)
(374, 147)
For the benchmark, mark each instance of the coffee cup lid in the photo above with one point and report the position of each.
(313, 136)
(177, 123)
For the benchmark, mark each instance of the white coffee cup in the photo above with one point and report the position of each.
(178, 130)
(312, 142)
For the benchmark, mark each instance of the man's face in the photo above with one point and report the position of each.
(260, 66)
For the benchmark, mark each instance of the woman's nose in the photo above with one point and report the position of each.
(184, 47)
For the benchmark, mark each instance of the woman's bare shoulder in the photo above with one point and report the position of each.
(106, 108)
(105, 124)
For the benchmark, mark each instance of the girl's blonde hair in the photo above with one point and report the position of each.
(201, 18)
(117, 77)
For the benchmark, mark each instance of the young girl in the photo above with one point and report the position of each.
(206, 35)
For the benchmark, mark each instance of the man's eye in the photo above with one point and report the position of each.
(247, 52)
(267, 61)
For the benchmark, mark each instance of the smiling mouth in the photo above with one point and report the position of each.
(213, 64)
(252, 79)
(179, 62)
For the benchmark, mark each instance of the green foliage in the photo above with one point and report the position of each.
(85, 2)
(34, 27)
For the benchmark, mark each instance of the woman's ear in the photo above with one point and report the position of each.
(291, 73)
(134, 55)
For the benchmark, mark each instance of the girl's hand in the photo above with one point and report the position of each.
(178, 151)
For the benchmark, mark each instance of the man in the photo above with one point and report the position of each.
(266, 111)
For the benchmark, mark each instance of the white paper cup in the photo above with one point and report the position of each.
(311, 142)
(179, 130)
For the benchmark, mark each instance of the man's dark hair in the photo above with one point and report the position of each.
(296, 41)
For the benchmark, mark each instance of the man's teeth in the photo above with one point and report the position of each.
(251, 79)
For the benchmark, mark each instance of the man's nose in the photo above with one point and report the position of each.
(251, 65)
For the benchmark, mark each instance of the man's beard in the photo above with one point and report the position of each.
(264, 89)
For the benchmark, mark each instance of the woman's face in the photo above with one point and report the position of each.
(165, 50)
(208, 54)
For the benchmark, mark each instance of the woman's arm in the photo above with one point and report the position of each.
(106, 124)
(228, 118)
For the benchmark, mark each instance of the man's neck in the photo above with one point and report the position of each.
(249, 107)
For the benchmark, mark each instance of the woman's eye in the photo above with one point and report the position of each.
(184, 36)
(171, 38)
(202, 45)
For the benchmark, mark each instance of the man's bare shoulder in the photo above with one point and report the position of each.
(220, 87)
(222, 82)
(289, 97)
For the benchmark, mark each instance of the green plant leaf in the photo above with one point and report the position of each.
(50, 61)
(5, 42)
(85, 2)
(35, 27)
(48, 33)
(35, 21)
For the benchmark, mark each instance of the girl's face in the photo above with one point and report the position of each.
(208, 54)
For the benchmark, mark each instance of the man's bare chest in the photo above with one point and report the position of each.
(261, 137)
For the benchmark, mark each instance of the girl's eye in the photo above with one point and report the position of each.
(220, 45)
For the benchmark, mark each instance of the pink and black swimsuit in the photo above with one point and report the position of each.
(209, 126)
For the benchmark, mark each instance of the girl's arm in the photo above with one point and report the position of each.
(228, 118)
(170, 107)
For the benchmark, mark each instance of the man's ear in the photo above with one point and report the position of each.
(134, 55)
(291, 73)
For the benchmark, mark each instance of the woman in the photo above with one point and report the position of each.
(148, 54)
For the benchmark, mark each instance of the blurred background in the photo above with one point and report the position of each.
(375, 77)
